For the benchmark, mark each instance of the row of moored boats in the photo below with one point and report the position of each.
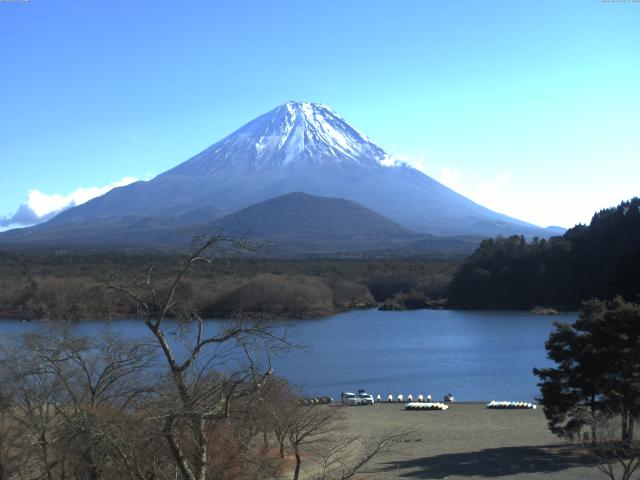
(409, 398)
(427, 406)
(511, 405)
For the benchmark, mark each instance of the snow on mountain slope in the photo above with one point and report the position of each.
(293, 133)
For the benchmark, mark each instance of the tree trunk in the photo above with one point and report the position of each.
(45, 455)
(594, 428)
(176, 451)
(296, 474)
(94, 471)
(63, 471)
(625, 425)
(201, 452)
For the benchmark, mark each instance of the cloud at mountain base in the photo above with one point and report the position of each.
(41, 206)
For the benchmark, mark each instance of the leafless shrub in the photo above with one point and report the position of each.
(617, 459)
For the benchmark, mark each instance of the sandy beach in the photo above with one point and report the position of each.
(468, 441)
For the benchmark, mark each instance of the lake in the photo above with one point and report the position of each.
(477, 356)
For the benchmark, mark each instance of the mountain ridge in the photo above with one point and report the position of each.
(293, 225)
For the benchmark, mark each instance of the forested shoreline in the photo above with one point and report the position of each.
(601, 260)
(63, 286)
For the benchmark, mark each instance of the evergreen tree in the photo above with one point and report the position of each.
(600, 260)
(597, 369)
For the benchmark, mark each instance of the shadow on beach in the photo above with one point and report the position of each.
(490, 463)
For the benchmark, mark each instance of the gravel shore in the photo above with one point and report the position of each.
(468, 441)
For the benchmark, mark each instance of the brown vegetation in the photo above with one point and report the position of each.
(58, 286)
(194, 402)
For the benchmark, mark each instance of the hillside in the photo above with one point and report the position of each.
(292, 225)
(296, 216)
(599, 260)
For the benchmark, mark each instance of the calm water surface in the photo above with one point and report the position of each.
(477, 356)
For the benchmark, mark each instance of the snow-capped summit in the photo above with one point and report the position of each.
(296, 133)
(298, 130)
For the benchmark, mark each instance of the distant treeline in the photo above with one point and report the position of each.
(63, 286)
(600, 260)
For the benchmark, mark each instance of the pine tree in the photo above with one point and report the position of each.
(597, 369)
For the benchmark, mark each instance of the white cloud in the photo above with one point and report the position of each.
(42, 206)
(388, 162)
(397, 158)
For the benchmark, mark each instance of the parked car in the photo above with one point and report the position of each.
(349, 398)
(365, 398)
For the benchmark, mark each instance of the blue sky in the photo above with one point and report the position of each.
(530, 108)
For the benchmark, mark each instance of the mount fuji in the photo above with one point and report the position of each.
(297, 147)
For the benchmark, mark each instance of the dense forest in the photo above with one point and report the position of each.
(599, 260)
(47, 286)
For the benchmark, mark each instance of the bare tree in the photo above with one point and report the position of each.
(101, 378)
(315, 432)
(195, 400)
(70, 394)
(346, 457)
(203, 386)
(277, 403)
(307, 428)
(12, 438)
(617, 459)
